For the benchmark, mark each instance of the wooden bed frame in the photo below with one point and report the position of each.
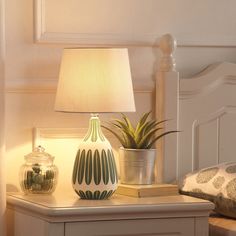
(167, 89)
(204, 110)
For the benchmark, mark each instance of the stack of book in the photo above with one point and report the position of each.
(153, 190)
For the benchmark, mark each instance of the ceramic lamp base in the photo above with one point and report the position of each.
(95, 174)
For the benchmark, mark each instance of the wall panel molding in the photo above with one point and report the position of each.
(42, 35)
(61, 133)
(85, 39)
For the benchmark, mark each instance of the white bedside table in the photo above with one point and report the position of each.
(67, 215)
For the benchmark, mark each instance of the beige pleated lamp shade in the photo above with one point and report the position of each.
(94, 81)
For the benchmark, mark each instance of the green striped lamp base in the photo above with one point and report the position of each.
(97, 195)
(95, 174)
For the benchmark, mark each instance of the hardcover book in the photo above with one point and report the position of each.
(153, 190)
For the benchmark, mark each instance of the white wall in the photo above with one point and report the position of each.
(32, 68)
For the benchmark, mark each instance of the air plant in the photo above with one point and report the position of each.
(142, 136)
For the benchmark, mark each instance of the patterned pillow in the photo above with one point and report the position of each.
(216, 184)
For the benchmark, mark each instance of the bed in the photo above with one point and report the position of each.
(206, 117)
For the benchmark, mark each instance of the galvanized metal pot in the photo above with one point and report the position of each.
(137, 165)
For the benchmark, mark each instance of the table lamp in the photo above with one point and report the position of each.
(95, 81)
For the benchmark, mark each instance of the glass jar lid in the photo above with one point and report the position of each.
(39, 156)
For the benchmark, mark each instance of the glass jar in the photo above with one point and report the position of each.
(38, 174)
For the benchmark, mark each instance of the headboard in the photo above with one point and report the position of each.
(207, 118)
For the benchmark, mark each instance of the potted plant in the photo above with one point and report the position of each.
(137, 155)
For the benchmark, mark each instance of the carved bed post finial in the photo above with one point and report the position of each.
(167, 45)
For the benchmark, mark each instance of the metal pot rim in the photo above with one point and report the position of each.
(138, 150)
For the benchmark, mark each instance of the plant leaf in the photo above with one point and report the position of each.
(121, 123)
(125, 140)
(144, 117)
(162, 121)
(128, 123)
(152, 125)
(117, 125)
(116, 135)
(161, 135)
(139, 133)
(142, 136)
(146, 138)
(140, 129)
(128, 136)
(142, 120)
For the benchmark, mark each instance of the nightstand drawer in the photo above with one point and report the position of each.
(142, 227)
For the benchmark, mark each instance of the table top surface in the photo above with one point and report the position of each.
(70, 204)
(71, 200)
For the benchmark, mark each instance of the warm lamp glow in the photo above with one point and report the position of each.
(95, 81)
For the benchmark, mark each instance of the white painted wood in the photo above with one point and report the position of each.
(201, 226)
(170, 141)
(181, 227)
(207, 118)
(20, 224)
(208, 80)
(67, 206)
(10, 222)
(167, 46)
(26, 225)
(201, 150)
(167, 85)
(119, 22)
(167, 92)
(227, 131)
(55, 229)
(2, 120)
(120, 215)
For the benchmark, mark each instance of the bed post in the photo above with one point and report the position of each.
(167, 86)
